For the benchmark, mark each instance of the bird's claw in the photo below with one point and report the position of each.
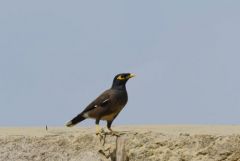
(114, 133)
(102, 135)
(100, 132)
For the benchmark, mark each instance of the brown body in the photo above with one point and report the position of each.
(109, 109)
(108, 105)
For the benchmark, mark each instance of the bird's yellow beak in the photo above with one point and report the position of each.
(132, 75)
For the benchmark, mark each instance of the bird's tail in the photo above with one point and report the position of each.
(75, 120)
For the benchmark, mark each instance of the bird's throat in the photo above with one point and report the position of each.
(119, 86)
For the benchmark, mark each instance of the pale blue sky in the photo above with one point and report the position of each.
(57, 56)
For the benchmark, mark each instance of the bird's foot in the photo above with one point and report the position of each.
(101, 134)
(115, 133)
(99, 130)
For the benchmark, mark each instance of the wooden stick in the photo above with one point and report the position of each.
(120, 150)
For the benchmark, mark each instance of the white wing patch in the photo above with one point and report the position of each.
(105, 101)
(86, 115)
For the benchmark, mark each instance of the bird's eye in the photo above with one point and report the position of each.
(121, 77)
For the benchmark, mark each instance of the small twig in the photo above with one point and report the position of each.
(104, 154)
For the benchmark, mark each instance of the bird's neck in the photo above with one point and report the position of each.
(119, 86)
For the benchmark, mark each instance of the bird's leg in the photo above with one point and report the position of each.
(98, 129)
(114, 133)
(100, 132)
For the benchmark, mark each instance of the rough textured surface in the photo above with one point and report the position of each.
(145, 143)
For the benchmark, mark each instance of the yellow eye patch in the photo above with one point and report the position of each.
(121, 77)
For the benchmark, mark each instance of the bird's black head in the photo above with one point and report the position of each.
(120, 80)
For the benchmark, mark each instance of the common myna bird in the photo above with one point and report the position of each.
(108, 105)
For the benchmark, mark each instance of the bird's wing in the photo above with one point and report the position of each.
(101, 100)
